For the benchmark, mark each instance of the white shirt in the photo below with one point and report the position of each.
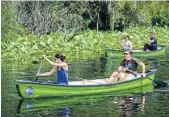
(126, 44)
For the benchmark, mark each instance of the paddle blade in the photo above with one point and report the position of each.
(35, 62)
(159, 84)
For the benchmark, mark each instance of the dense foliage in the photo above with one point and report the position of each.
(30, 29)
(45, 17)
(31, 47)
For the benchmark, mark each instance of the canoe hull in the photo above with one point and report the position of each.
(37, 105)
(37, 90)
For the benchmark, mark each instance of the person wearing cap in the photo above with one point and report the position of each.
(126, 43)
(127, 69)
(152, 45)
(60, 67)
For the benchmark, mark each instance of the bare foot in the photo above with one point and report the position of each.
(84, 81)
(107, 80)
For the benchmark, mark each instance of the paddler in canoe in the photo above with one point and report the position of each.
(127, 69)
(126, 43)
(152, 44)
(60, 66)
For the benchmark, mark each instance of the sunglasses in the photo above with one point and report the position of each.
(126, 53)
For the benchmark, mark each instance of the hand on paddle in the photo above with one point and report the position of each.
(38, 74)
(43, 57)
(143, 75)
(125, 69)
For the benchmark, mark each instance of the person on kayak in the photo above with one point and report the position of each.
(127, 69)
(152, 45)
(126, 43)
(60, 67)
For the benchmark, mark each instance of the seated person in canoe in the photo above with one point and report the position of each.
(127, 69)
(60, 67)
(126, 43)
(152, 45)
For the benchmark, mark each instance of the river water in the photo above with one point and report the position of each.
(144, 104)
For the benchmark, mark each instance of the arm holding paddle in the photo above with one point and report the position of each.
(47, 73)
(143, 69)
(142, 65)
(53, 63)
(60, 67)
(123, 69)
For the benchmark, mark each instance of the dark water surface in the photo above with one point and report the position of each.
(145, 104)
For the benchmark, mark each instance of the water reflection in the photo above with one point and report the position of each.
(131, 105)
(29, 107)
(78, 68)
(155, 63)
(18, 109)
(64, 112)
(103, 62)
(64, 107)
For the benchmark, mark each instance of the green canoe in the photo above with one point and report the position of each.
(37, 105)
(138, 53)
(38, 89)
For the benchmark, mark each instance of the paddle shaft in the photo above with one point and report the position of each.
(36, 78)
(132, 71)
(159, 83)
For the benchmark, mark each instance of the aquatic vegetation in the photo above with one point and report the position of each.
(20, 44)
(30, 47)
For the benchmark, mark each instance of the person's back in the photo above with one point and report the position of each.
(62, 76)
(126, 43)
(152, 45)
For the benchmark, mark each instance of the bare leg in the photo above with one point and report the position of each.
(113, 77)
(84, 81)
(122, 76)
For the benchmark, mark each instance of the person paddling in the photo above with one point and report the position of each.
(60, 67)
(152, 45)
(127, 69)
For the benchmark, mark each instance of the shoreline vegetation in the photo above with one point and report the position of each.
(20, 44)
(30, 47)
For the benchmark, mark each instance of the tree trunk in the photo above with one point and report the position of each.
(111, 10)
(97, 23)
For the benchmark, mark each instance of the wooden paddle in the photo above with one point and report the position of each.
(36, 78)
(158, 83)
